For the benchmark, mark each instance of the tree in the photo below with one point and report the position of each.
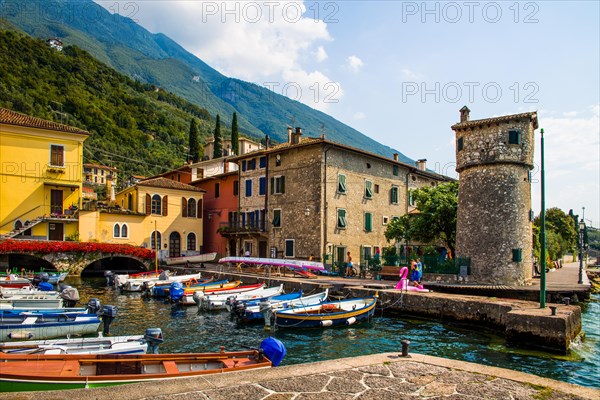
(561, 233)
(218, 146)
(435, 220)
(235, 136)
(193, 142)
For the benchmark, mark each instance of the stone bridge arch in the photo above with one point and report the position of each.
(75, 263)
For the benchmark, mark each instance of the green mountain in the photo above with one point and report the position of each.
(156, 59)
(137, 127)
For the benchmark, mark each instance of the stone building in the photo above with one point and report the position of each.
(494, 157)
(311, 196)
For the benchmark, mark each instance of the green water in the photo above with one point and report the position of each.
(188, 330)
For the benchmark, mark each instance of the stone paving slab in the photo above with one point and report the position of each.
(376, 377)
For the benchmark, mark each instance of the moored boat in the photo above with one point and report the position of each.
(133, 344)
(218, 301)
(197, 296)
(199, 258)
(331, 313)
(255, 311)
(46, 326)
(53, 372)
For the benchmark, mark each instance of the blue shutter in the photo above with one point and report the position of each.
(262, 186)
(248, 187)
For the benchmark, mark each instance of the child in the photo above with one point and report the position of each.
(349, 269)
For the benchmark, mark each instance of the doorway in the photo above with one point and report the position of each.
(55, 231)
(174, 244)
(262, 249)
(56, 201)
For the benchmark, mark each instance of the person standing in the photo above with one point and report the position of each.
(349, 265)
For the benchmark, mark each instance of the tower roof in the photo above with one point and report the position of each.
(504, 118)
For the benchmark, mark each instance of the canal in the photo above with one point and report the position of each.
(190, 330)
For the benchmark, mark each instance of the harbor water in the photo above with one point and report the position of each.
(187, 329)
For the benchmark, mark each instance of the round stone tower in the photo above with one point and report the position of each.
(494, 158)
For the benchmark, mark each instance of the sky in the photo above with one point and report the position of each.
(399, 71)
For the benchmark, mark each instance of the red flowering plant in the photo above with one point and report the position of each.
(46, 247)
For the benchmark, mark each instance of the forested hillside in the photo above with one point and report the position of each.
(139, 128)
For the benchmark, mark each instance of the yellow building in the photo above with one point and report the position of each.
(174, 208)
(40, 177)
(99, 175)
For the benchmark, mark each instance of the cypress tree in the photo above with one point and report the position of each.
(235, 135)
(218, 146)
(193, 142)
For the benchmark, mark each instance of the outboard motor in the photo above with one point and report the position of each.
(44, 277)
(153, 337)
(239, 310)
(93, 306)
(110, 278)
(109, 313)
(164, 276)
(229, 303)
(70, 295)
(45, 286)
(176, 291)
(267, 312)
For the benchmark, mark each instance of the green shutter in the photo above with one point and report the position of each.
(277, 218)
(282, 184)
(368, 189)
(342, 183)
(459, 145)
(394, 195)
(517, 255)
(368, 222)
(341, 218)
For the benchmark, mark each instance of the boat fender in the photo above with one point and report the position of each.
(176, 291)
(326, 322)
(274, 350)
(350, 321)
(20, 335)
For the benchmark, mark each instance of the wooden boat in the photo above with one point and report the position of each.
(199, 258)
(197, 296)
(54, 372)
(46, 326)
(331, 313)
(187, 299)
(134, 344)
(255, 311)
(218, 301)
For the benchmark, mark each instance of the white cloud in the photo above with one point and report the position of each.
(312, 88)
(354, 63)
(570, 114)
(359, 115)
(320, 54)
(258, 42)
(572, 162)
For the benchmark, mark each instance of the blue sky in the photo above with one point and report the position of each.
(399, 71)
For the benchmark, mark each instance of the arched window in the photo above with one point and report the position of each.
(158, 240)
(156, 205)
(191, 241)
(124, 231)
(116, 230)
(18, 224)
(191, 208)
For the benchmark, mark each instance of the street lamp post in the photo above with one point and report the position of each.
(581, 232)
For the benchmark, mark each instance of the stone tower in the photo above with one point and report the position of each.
(494, 157)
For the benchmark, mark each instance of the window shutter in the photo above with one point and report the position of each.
(183, 207)
(148, 204)
(165, 206)
(199, 213)
(272, 185)
(342, 183)
(283, 184)
(243, 165)
(368, 222)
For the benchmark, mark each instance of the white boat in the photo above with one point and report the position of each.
(136, 285)
(31, 301)
(196, 296)
(57, 277)
(199, 258)
(135, 344)
(253, 311)
(218, 301)
(46, 326)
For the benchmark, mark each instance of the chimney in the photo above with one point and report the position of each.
(289, 134)
(296, 136)
(267, 141)
(395, 156)
(464, 114)
(422, 164)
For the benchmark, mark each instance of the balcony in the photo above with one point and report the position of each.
(242, 227)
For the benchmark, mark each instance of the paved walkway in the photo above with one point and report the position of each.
(377, 377)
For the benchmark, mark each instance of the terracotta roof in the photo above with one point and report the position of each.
(14, 118)
(505, 118)
(168, 184)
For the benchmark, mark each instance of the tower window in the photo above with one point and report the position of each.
(459, 144)
(514, 136)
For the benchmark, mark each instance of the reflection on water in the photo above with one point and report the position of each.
(188, 330)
